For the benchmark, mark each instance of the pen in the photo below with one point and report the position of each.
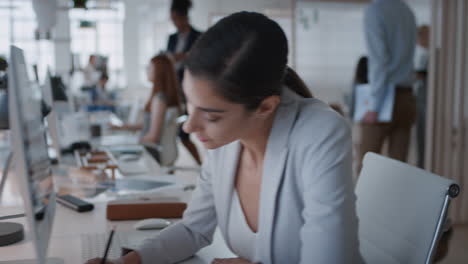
(109, 241)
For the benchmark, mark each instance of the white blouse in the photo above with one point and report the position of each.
(241, 238)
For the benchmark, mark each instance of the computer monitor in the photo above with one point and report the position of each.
(62, 122)
(58, 88)
(53, 122)
(32, 163)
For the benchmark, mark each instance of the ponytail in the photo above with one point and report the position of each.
(294, 82)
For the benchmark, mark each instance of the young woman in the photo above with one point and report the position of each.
(163, 102)
(277, 179)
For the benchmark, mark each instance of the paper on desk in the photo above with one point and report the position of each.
(363, 98)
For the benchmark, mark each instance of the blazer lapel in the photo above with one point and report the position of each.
(225, 178)
(273, 172)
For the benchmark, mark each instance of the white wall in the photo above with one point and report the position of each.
(329, 37)
(204, 9)
(147, 26)
(62, 41)
(329, 42)
(131, 43)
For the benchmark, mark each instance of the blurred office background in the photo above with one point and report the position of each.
(326, 40)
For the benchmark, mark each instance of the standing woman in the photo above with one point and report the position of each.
(277, 180)
(178, 46)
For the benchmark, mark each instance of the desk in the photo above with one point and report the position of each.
(68, 225)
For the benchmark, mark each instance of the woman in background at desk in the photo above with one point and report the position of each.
(277, 180)
(163, 103)
(100, 95)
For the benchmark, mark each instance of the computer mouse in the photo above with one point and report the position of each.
(129, 157)
(152, 223)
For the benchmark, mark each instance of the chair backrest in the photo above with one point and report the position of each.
(168, 140)
(135, 109)
(401, 209)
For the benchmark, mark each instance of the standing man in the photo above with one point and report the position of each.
(390, 31)
(178, 45)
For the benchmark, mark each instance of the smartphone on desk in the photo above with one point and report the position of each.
(75, 203)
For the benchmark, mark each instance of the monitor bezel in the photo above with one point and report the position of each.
(40, 230)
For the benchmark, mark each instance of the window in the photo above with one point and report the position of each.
(155, 27)
(100, 31)
(18, 25)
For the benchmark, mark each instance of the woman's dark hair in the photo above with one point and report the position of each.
(245, 55)
(360, 77)
(181, 7)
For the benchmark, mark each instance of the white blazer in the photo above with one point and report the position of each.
(307, 202)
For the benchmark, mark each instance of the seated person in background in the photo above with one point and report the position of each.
(163, 102)
(277, 178)
(100, 95)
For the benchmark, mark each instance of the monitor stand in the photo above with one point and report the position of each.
(33, 261)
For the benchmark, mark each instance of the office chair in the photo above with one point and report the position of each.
(401, 210)
(166, 152)
(134, 111)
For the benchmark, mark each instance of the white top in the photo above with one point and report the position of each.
(181, 43)
(390, 30)
(241, 238)
(91, 75)
(422, 59)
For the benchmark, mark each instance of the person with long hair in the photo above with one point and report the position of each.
(277, 178)
(164, 98)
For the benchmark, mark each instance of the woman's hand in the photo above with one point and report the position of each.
(231, 261)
